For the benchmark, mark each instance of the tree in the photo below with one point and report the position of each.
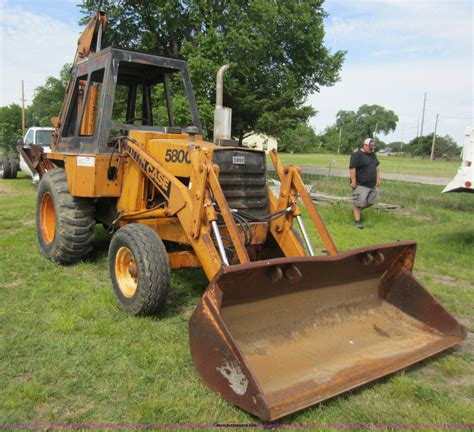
(357, 125)
(48, 99)
(274, 47)
(10, 126)
(330, 140)
(421, 146)
(301, 139)
(397, 146)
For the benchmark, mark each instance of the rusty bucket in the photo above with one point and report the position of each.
(276, 336)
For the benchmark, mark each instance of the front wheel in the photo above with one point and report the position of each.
(139, 269)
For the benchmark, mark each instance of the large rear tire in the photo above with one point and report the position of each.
(13, 168)
(65, 224)
(139, 269)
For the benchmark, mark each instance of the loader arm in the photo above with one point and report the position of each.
(193, 207)
(292, 187)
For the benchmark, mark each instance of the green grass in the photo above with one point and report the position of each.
(70, 354)
(399, 165)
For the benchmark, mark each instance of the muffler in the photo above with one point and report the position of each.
(276, 336)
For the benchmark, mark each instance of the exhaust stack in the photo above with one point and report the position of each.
(222, 115)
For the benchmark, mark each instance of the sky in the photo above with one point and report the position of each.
(396, 51)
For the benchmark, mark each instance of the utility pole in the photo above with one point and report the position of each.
(434, 138)
(423, 115)
(23, 107)
(340, 136)
(375, 130)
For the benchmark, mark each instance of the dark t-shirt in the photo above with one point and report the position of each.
(365, 165)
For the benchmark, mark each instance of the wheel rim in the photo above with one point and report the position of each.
(126, 272)
(47, 218)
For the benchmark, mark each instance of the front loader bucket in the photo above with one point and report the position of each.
(276, 336)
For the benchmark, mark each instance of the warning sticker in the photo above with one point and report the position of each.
(85, 161)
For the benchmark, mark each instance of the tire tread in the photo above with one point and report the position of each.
(75, 220)
(153, 267)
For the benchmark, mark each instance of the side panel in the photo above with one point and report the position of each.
(172, 154)
(87, 176)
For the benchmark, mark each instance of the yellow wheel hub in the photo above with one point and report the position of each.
(126, 272)
(47, 218)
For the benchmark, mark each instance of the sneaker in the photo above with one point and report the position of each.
(358, 224)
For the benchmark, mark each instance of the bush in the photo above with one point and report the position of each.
(302, 139)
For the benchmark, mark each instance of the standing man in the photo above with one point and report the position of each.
(365, 179)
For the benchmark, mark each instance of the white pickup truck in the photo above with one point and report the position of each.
(35, 136)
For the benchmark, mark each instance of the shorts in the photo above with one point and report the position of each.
(363, 196)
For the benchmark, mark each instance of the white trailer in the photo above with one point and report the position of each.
(464, 179)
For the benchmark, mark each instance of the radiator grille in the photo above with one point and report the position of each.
(243, 184)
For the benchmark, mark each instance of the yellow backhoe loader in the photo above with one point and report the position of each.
(278, 328)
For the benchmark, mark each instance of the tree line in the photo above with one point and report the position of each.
(353, 127)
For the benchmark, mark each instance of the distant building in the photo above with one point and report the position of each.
(261, 142)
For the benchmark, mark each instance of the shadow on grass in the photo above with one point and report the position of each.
(464, 237)
(101, 244)
(187, 288)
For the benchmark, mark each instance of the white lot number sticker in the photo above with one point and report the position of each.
(238, 160)
(85, 161)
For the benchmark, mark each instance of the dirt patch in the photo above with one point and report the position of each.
(6, 190)
(467, 345)
(16, 282)
(417, 217)
(29, 222)
(445, 280)
(421, 218)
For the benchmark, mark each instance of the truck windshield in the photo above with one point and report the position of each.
(43, 137)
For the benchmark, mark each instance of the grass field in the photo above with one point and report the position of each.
(70, 354)
(398, 165)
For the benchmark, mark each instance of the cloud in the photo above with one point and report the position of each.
(400, 86)
(431, 25)
(397, 50)
(33, 47)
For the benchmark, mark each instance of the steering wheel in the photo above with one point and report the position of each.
(139, 118)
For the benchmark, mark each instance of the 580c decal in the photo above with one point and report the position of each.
(174, 155)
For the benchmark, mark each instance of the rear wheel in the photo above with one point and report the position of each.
(65, 224)
(13, 168)
(5, 168)
(139, 269)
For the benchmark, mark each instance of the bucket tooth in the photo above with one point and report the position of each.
(276, 336)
